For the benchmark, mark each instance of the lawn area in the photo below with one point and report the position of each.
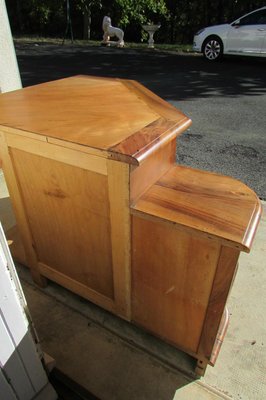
(179, 48)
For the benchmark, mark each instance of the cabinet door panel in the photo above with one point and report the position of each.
(68, 214)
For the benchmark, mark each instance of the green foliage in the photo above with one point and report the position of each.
(179, 19)
(140, 11)
(88, 5)
(35, 16)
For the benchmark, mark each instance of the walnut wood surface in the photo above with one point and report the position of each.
(224, 276)
(143, 143)
(220, 337)
(109, 114)
(216, 206)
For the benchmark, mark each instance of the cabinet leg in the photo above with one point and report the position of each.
(39, 279)
(201, 367)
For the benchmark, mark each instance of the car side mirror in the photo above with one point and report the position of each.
(237, 23)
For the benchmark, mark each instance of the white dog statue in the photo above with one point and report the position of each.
(111, 31)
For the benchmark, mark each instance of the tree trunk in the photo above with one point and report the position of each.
(87, 24)
(19, 16)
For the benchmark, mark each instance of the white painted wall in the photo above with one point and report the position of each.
(9, 72)
(22, 376)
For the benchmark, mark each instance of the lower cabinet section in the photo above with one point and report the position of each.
(172, 278)
(180, 283)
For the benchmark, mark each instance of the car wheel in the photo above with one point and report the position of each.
(212, 48)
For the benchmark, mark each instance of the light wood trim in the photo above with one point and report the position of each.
(118, 188)
(76, 287)
(224, 276)
(19, 210)
(78, 147)
(54, 152)
(21, 132)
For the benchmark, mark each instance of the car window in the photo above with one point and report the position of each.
(256, 18)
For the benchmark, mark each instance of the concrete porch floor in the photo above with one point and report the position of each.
(115, 360)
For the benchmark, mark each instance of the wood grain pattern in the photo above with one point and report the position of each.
(147, 140)
(216, 206)
(93, 112)
(118, 193)
(68, 212)
(113, 115)
(172, 277)
(223, 279)
(156, 103)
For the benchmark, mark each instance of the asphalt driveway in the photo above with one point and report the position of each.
(226, 101)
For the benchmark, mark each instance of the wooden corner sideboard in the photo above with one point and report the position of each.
(103, 209)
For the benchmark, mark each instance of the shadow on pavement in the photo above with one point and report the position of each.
(172, 76)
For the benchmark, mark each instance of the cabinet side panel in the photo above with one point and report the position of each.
(172, 275)
(68, 214)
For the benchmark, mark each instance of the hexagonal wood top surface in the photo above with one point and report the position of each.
(120, 116)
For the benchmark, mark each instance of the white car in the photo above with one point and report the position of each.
(245, 36)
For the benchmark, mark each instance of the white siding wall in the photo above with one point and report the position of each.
(22, 376)
(9, 73)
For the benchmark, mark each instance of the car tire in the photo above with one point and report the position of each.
(212, 48)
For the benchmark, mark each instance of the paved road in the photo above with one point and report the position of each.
(226, 101)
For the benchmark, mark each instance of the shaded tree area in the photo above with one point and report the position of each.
(179, 19)
(185, 17)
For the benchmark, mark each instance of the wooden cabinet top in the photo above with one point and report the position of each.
(119, 116)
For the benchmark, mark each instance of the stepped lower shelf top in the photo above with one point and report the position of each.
(216, 206)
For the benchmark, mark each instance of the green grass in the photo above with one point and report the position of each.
(180, 48)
